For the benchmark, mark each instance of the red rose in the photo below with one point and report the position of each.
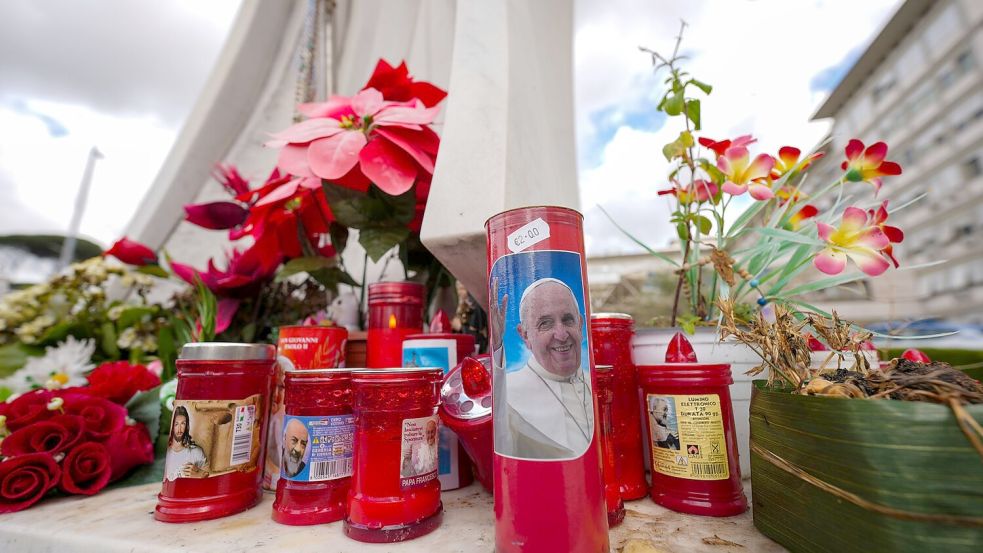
(119, 381)
(86, 469)
(102, 417)
(129, 448)
(28, 408)
(55, 435)
(25, 479)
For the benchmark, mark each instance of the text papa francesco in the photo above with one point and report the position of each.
(417, 480)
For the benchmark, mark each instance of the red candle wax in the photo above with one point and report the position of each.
(611, 334)
(395, 493)
(318, 431)
(612, 487)
(692, 441)
(213, 466)
(395, 312)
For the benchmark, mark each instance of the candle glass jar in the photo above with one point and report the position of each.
(604, 391)
(395, 493)
(611, 334)
(316, 458)
(214, 460)
(395, 312)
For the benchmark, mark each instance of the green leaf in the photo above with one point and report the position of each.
(677, 147)
(166, 351)
(14, 356)
(107, 340)
(682, 231)
(823, 284)
(693, 112)
(703, 223)
(654, 253)
(332, 276)
(153, 270)
(145, 407)
(378, 241)
(132, 315)
(5, 393)
(707, 89)
(339, 236)
(789, 236)
(401, 209)
(303, 265)
(674, 104)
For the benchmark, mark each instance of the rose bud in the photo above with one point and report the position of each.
(25, 479)
(86, 469)
(55, 435)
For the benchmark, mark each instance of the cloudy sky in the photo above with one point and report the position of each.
(123, 75)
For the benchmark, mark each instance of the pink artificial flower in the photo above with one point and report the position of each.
(700, 191)
(743, 175)
(388, 141)
(868, 165)
(857, 238)
(894, 234)
(721, 147)
(788, 161)
(807, 211)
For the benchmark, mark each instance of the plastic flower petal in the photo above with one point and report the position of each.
(807, 211)
(857, 239)
(132, 252)
(700, 191)
(720, 147)
(868, 165)
(894, 234)
(788, 161)
(216, 215)
(742, 175)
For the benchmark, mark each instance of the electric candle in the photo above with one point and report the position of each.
(690, 429)
(395, 312)
(316, 459)
(213, 466)
(395, 493)
(611, 334)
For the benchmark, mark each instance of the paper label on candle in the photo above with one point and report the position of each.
(544, 406)
(687, 436)
(529, 235)
(317, 448)
(438, 353)
(418, 464)
(213, 437)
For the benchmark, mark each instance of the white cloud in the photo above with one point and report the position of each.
(760, 57)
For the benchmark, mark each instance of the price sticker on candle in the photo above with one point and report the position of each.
(529, 235)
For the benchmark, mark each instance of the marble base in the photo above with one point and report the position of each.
(121, 521)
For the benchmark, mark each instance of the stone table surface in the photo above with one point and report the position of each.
(121, 520)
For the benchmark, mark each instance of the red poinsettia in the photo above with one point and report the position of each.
(245, 271)
(119, 381)
(132, 252)
(396, 84)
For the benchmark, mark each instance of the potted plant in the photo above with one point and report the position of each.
(789, 241)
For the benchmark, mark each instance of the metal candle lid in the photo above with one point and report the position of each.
(227, 351)
(622, 316)
(454, 394)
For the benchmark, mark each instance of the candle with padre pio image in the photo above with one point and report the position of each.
(395, 312)
(549, 494)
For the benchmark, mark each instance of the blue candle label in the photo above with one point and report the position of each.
(213, 437)
(543, 402)
(418, 451)
(317, 448)
(438, 352)
(687, 436)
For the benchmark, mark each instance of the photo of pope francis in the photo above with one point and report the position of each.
(549, 404)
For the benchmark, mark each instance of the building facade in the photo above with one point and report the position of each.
(919, 88)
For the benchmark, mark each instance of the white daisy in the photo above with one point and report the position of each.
(61, 366)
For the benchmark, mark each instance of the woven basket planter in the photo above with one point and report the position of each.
(845, 475)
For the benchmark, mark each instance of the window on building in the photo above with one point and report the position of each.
(972, 167)
(944, 28)
(964, 62)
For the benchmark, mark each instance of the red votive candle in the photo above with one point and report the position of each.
(214, 460)
(549, 489)
(604, 392)
(611, 334)
(298, 347)
(465, 408)
(395, 312)
(690, 429)
(395, 493)
(316, 456)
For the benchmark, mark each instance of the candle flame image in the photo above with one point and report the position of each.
(392, 321)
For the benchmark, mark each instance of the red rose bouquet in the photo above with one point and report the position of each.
(76, 440)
